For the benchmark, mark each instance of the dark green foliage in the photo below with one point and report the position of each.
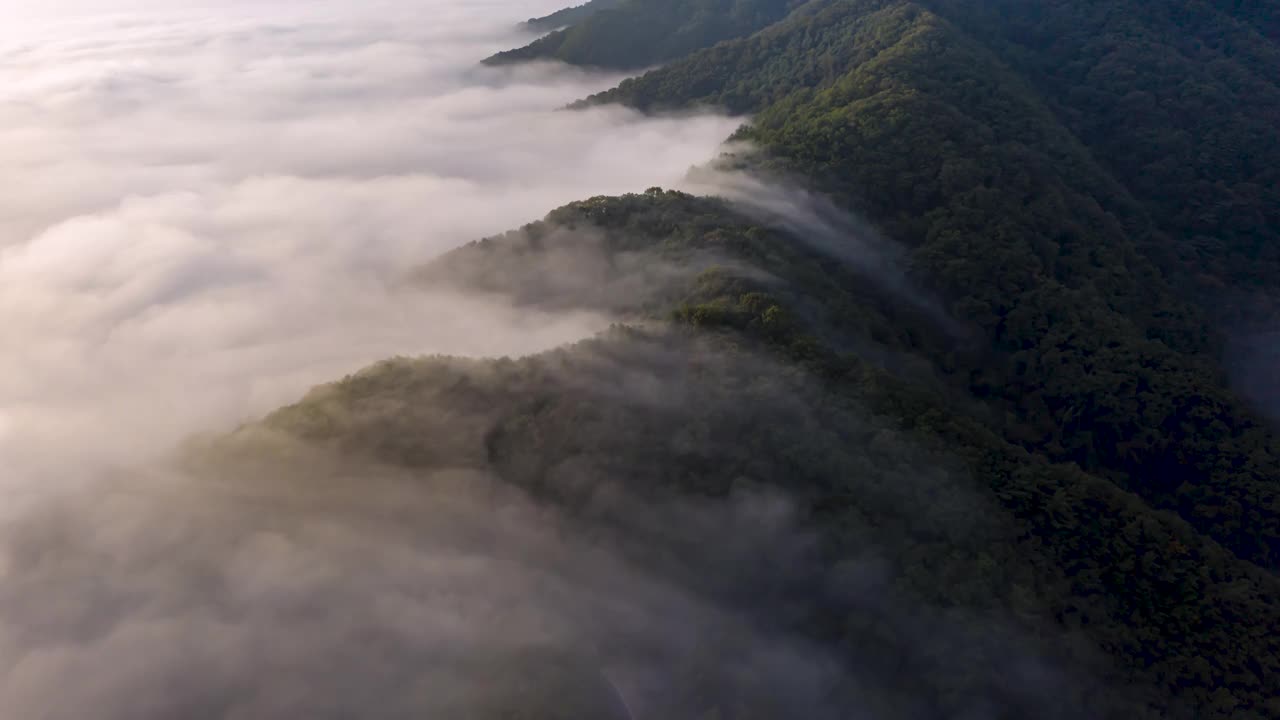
(811, 49)
(1180, 100)
(569, 16)
(639, 33)
(1088, 185)
(916, 124)
(892, 462)
(1060, 549)
(640, 256)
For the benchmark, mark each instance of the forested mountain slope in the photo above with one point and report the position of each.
(1101, 360)
(1178, 99)
(1024, 410)
(1011, 556)
(1181, 101)
(640, 33)
(571, 15)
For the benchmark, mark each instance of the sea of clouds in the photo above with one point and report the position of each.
(208, 207)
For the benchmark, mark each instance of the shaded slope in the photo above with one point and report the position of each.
(1097, 360)
(641, 256)
(1180, 100)
(981, 538)
(1066, 176)
(640, 33)
(811, 49)
(571, 15)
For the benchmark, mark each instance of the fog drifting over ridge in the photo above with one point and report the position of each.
(208, 209)
(208, 204)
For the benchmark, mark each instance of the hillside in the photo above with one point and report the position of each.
(1175, 100)
(570, 15)
(1102, 360)
(640, 33)
(1009, 553)
(996, 359)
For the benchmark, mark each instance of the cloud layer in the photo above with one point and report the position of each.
(207, 207)
(354, 593)
(211, 205)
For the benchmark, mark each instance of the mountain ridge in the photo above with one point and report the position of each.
(1075, 532)
(640, 33)
(1131, 517)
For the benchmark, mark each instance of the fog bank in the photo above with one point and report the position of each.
(208, 205)
(358, 592)
(212, 205)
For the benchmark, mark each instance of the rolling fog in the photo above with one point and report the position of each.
(208, 205)
(208, 208)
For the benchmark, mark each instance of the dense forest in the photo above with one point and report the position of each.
(569, 16)
(634, 35)
(1023, 407)
(1101, 356)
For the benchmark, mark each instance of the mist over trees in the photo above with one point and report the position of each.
(569, 16)
(1090, 187)
(628, 35)
(944, 389)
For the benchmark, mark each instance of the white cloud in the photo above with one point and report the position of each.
(207, 205)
